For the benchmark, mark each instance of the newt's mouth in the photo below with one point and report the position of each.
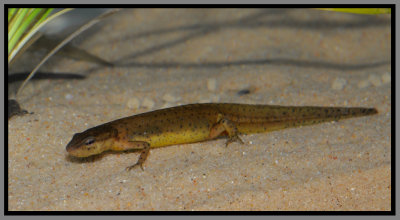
(74, 147)
(73, 150)
(79, 151)
(74, 143)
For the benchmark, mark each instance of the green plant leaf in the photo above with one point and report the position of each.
(26, 22)
(23, 29)
(16, 22)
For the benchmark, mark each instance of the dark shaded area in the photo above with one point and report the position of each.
(276, 61)
(15, 109)
(282, 19)
(47, 43)
(16, 77)
(97, 157)
(198, 31)
(15, 80)
(83, 55)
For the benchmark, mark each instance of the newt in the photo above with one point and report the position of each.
(199, 122)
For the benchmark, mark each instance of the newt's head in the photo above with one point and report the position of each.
(92, 141)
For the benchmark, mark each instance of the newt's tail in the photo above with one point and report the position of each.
(339, 112)
(270, 118)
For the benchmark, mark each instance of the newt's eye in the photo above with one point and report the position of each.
(89, 141)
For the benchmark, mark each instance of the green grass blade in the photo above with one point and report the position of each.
(11, 13)
(32, 31)
(44, 16)
(16, 22)
(28, 20)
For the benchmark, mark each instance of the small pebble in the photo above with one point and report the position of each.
(338, 83)
(170, 98)
(133, 103)
(386, 78)
(375, 80)
(69, 96)
(204, 101)
(148, 103)
(167, 105)
(212, 84)
(215, 98)
(363, 84)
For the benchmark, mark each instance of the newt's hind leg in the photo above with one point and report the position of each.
(222, 125)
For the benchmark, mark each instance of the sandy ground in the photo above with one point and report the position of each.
(173, 57)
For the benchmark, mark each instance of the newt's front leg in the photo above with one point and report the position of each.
(135, 145)
(143, 155)
(222, 125)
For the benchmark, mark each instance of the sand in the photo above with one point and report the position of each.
(170, 57)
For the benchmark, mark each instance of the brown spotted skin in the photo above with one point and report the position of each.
(199, 122)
